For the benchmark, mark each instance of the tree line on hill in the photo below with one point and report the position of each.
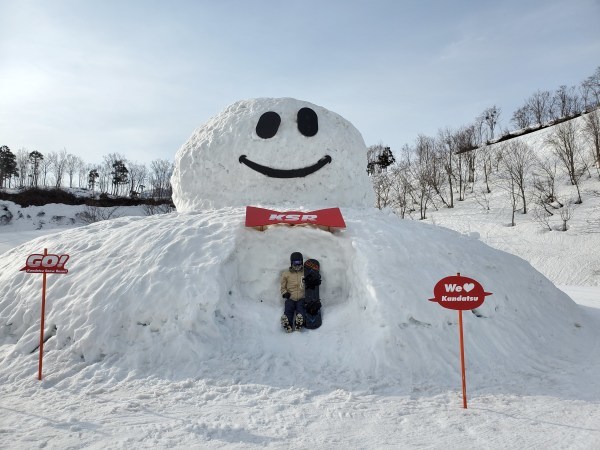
(115, 175)
(439, 170)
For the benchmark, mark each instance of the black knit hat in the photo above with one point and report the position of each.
(296, 256)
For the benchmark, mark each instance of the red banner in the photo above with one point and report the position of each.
(259, 217)
(458, 292)
(46, 264)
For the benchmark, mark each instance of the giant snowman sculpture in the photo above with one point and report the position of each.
(195, 293)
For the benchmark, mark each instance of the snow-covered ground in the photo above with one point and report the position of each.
(266, 401)
(567, 258)
(165, 332)
(19, 225)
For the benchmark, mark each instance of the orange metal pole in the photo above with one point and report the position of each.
(462, 359)
(43, 316)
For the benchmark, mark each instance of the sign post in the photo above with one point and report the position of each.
(42, 320)
(460, 293)
(44, 264)
(462, 359)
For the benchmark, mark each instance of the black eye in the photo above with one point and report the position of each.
(308, 122)
(268, 124)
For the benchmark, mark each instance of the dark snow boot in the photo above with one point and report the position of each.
(299, 322)
(285, 323)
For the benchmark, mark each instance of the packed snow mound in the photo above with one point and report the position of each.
(197, 294)
(272, 151)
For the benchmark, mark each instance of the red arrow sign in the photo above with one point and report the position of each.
(259, 217)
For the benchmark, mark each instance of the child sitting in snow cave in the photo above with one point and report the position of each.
(292, 290)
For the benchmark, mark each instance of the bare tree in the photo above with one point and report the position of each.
(491, 117)
(480, 131)
(72, 166)
(497, 156)
(455, 156)
(563, 141)
(401, 187)
(542, 216)
(445, 153)
(51, 159)
(382, 185)
(420, 165)
(544, 184)
(379, 158)
(482, 198)
(104, 178)
(137, 177)
(162, 208)
(82, 173)
(58, 165)
(160, 178)
(566, 102)
(590, 90)
(23, 166)
(517, 161)
(464, 142)
(92, 214)
(469, 167)
(485, 154)
(591, 132)
(436, 178)
(45, 168)
(540, 105)
(507, 183)
(566, 214)
(522, 117)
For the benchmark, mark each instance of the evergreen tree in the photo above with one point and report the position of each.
(8, 165)
(92, 178)
(379, 158)
(120, 175)
(35, 159)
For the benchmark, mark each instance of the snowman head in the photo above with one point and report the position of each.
(272, 151)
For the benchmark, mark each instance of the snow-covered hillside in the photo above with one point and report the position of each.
(567, 258)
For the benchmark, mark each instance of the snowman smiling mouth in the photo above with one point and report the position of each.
(267, 127)
(285, 173)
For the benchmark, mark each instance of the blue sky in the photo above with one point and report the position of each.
(137, 77)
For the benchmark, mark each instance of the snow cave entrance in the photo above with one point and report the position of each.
(260, 258)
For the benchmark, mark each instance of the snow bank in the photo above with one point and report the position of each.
(56, 216)
(192, 294)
